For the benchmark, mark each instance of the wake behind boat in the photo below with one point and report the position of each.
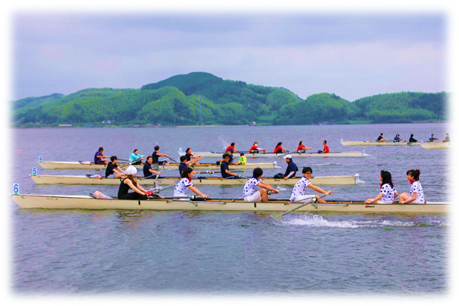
(293, 154)
(217, 181)
(32, 201)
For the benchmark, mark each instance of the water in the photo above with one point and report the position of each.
(217, 253)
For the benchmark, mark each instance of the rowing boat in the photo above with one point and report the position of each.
(62, 165)
(436, 145)
(293, 154)
(182, 204)
(376, 143)
(197, 180)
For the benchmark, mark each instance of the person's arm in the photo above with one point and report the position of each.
(289, 175)
(118, 170)
(267, 187)
(138, 190)
(154, 172)
(198, 192)
(395, 195)
(319, 189)
(229, 172)
(413, 198)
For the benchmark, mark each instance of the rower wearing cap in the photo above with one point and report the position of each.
(298, 192)
(148, 171)
(224, 167)
(291, 170)
(432, 138)
(381, 138)
(136, 157)
(232, 148)
(185, 183)
(250, 192)
(130, 182)
(242, 159)
(190, 158)
(113, 170)
(255, 148)
(279, 148)
(156, 156)
(302, 148)
(397, 138)
(99, 157)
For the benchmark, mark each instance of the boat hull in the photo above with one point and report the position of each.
(294, 154)
(55, 165)
(379, 144)
(216, 181)
(86, 202)
(436, 145)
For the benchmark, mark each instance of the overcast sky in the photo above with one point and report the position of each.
(351, 55)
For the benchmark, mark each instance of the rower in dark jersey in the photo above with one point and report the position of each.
(156, 156)
(224, 167)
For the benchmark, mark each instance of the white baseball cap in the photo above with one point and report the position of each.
(131, 170)
(288, 156)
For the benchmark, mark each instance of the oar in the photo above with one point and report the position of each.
(172, 159)
(159, 188)
(286, 153)
(279, 216)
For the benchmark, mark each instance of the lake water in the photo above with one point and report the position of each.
(86, 252)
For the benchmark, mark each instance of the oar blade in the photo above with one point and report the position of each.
(277, 217)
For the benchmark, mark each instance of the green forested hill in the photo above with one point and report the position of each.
(176, 101)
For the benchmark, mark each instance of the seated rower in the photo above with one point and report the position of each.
(190, 158)
(299, 190)
(416, 195)
(291, 170)
(432, 138)
(397, 138)
(148, 171)
(99, 157)
(156, 156)
(182, 165)
(302, 148)
(279, 148)
(387, 192)
(113, 170)
(135, 156)
(232, 148)
(242, 159)
(185, 183)
(223, 158)
(130, 182)
(224, 167)
(412, 138)
(255, 148)
(250, 192)
(446, 138)
(326, 148)
(381, 138)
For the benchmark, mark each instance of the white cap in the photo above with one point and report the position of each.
(288, 156)
(131, 170)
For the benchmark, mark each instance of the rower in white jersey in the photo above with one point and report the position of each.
(299, 190)
(251, 193)
(387, 192)
(185, 183)
(416, 195)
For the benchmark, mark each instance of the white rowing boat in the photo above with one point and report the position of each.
(436, 145)
(197, 180)
(62, 165)
(376, 143)
(181, 204)
(294, 154)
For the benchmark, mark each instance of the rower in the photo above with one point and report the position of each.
(416, 195)
(381, 138)
(185, 183)
(302, 148)
(242, 159)
(182, 165)
(156, 156)
(291, 170)
(397, 138)
(446, 138)
(432, 138)
(326, 148)
(113, 170)
(224, 167)
(255, 148)
(99, 157)
(387, 192)
(190, 158)
(130, 182)
(135, 156)
(232, 148)
(250, 192)
(148, 171)
(279, 148)
(412, 138)
(298, 192)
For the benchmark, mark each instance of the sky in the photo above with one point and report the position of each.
(352, 55)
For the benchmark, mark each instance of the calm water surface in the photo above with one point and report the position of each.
(185, 252)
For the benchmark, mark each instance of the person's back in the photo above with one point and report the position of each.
(223, 167)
